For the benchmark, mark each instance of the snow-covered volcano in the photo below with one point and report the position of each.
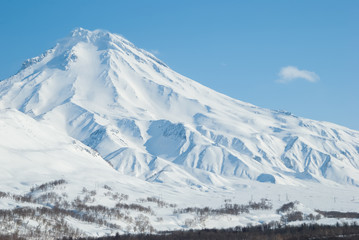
(152, 123)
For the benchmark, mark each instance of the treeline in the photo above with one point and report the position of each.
(228, 208)
(336, 214)
(48, 185)
(11, 237)
(290, 214)
(44, 211)
(49, 210)
(52, 218)
(262, 232)
(159, 202)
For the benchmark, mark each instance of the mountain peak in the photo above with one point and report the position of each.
(95, 35)
(79, 31)
(100, 40)
(96, 97)
(144, 117)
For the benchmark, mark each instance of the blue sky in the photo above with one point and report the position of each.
(298, 56)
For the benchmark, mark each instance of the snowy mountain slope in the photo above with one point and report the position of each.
(33, 152)
(90, 198)
(155, 124)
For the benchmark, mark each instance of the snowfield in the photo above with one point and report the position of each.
(99, 136)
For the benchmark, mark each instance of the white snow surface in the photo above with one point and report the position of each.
(95, 97)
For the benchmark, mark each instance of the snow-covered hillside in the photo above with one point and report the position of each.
(150, 122)
(96, 110)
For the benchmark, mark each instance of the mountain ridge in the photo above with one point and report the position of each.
(155, 124)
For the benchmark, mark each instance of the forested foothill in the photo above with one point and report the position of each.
(262, 232)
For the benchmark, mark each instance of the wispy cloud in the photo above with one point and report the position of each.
(155, 52)
(290, 73)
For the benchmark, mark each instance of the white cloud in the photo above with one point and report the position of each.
(290, 73)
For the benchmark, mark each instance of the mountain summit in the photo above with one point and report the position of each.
(150, 122)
